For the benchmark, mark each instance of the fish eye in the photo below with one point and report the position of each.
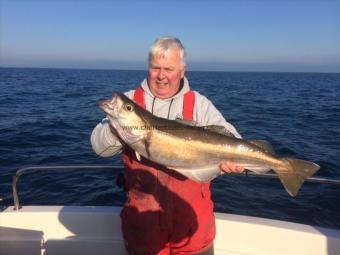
(128, 107)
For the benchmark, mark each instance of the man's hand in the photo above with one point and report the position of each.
(230, 167)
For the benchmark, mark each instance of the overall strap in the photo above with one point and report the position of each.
(188, 105)
(138, 97)
(188, 102)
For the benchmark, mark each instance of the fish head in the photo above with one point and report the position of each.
(124, 116)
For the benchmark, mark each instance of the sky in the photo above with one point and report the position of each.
(230, 35)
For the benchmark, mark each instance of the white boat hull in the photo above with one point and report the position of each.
(96, 230)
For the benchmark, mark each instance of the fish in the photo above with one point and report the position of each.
(194, 151)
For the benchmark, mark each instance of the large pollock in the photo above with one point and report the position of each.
(196, 152)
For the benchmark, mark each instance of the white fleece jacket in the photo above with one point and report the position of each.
(106, 144)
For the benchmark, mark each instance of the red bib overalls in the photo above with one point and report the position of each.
(165, 211)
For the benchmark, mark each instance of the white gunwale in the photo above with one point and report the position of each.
(97, 230)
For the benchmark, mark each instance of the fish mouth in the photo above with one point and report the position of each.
(109, 105)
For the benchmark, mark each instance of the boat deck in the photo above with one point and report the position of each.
(96, 230)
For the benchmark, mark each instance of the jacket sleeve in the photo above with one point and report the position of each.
(104, 142)
(206, 114)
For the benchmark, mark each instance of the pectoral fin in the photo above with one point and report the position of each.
(138, 156)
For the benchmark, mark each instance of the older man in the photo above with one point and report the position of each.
(165, 213)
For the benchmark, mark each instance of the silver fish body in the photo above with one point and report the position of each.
(196, 152)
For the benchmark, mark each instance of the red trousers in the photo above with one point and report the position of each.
(165, 213)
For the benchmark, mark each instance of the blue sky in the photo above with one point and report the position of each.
(234, 35)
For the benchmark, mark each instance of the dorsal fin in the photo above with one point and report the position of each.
(219, 129)
(186, 122)
(214, 128)
(263, 145)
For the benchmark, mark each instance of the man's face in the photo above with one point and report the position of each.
(165, 74)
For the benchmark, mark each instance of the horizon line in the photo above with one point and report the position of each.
(145, 70)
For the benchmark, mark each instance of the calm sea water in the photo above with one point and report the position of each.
(47, 115)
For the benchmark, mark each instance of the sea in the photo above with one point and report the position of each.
(47, 116)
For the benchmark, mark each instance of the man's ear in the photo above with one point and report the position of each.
(183, 71)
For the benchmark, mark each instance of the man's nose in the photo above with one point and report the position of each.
(161, 74)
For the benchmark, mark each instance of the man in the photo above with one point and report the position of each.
(165, 213)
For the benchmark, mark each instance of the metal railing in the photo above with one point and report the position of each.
(33, 169)
(323, 180)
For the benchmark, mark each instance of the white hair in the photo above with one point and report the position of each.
(163, 45)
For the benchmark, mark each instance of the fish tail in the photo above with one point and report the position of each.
(293, 172)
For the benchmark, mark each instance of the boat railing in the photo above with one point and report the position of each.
(32, 169)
